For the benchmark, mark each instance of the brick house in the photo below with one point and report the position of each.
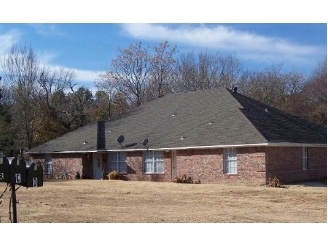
(214, 136)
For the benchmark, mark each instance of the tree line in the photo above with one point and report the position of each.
(38, 103)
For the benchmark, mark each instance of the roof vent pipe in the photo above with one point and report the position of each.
(235, 89)
(101, 139)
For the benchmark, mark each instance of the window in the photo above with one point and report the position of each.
(305, 158)
(153, 162)
(117, 162)
(48, 165)
(230, 161)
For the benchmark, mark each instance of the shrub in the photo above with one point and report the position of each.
(77, 175)
(275, 182)
(105, 176)
(114, 175)
(184, 179)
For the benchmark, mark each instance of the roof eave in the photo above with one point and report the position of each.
(280, 144)
(287, 144)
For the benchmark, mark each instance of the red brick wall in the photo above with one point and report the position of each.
(285, 163)
(254, 165)
(62, 163)
(135, 168)
(207, 166)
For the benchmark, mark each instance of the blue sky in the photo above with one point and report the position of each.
(87, 47)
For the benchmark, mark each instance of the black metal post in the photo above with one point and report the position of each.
(13, 199)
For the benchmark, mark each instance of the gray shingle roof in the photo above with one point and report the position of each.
(216, 117)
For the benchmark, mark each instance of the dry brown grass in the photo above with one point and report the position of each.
(130, 201)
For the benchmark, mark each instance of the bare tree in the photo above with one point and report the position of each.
(272, 86)
(187, 75)
(315, 92)
(6, 134)
(106, 85)
(138, 75)
(53, 101)
(162, 70)
(129, 74)
(206, 71)
(34, 91)
(80, 101)
(21, 69)
(100, 109)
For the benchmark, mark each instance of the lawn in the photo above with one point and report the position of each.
(110, 201)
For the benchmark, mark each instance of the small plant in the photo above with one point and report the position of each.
(275, 182)
(77, 175)
(184, 179)
(114, 175)
(105, 176)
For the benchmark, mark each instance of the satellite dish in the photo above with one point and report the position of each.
(120, 139)
(144, 142)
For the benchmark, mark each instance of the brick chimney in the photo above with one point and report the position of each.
(101, 139)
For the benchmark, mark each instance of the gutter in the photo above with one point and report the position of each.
(283, 144)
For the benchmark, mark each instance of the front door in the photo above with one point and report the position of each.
(97, 166)
(173, 164)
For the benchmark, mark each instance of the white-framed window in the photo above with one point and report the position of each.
(48, 165)
(230, 161)
(153, 162)
(305, 158)
(117, 162)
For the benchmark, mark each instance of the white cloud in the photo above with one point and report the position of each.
(47, 29)
(45, 57)
(222, 38)
(87, 78)
(87, 75)
(84, 78)
(80, 75)
(7, 40)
